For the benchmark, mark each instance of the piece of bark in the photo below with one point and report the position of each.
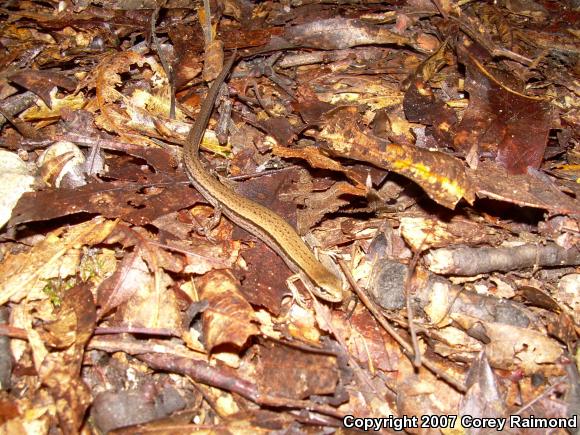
(474, 261)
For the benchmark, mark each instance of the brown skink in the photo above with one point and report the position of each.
(253, 217)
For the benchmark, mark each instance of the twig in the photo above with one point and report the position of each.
(166, 67)
(426, 362)
(16, 104)
(259, 98)
(207, 28)
(410, 316)
(474, 261)
(539, 397)
(202, 372)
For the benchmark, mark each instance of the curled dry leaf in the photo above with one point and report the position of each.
(118, 288)
(492, 181)
(141, 111)
(151, 303)
(511, 347)
(62, 160)
(229, 319)
(47, 115)
(126, 200)
(318, 160)
(441, 175)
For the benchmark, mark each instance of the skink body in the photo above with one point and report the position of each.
(253, 217)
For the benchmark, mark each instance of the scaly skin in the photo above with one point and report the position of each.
(253, 217)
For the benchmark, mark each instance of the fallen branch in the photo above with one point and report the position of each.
(474, 261)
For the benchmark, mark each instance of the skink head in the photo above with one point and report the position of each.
(328, 287)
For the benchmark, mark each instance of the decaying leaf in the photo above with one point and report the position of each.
(513, 348)
(48, 114)
(60, 371)
(151, 304)
(25, 275)
(501, 120)
(442, 176)
(306, 374)
(422, 233)
(229, 318)
(426, 152)
(42, 82)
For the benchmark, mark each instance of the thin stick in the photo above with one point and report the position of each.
(168, 69)
(410, 316)
(408, 349)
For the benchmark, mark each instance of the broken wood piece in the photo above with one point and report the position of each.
(473, 261)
